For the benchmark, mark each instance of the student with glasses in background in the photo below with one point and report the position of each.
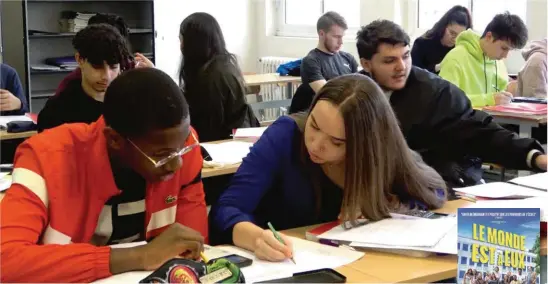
(133, 175)
(430, 49)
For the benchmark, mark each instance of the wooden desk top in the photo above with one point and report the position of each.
(541, 118)
(270, 78)
(226, 170)
(6, 136)
(394, 268)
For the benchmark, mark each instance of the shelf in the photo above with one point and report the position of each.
(40, 72)
(42, 94)
(61, 35)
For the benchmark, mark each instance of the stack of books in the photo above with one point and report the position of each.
(73, 22)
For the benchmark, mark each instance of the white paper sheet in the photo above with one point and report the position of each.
(228, 153)
(501, 190)
(447, 245)
(537, 181)
(5, 119)
(534, 202)
(419, 232)
(308, 256)
(251, 132)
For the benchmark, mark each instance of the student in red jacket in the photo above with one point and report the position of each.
(134, 175)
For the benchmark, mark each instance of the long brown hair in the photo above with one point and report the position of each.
(381, 172)
(459, 15)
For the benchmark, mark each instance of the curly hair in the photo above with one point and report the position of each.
(113, 20)
(99, 43)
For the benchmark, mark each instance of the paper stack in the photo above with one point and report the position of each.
(227, 153)
(499, 190)
(251, 134)
(411, 236)
(537, 181)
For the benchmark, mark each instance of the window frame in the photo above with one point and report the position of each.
(414, 17)
(303, 31)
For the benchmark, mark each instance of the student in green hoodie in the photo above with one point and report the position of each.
(475, 64)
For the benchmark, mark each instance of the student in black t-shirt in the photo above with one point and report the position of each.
(324, 62)
(430, 49)
(327, 61)
(100, 48)
(211, 80)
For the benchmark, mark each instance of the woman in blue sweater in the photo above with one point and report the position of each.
(346, 158)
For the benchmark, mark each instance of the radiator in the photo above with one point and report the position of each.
(270, 92)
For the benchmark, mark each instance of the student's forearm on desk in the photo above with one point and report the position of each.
(126, 259)
(245, 235)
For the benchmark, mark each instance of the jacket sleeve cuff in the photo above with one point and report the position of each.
(531, 156)
(102, 262)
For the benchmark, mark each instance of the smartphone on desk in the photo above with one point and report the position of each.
(238, 260)
(325, 275)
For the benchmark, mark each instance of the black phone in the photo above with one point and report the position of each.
(324, 275)
(238, 260)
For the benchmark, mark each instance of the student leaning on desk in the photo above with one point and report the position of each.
(347, 157)
(476, 63)
(435, 116)
(78, 188)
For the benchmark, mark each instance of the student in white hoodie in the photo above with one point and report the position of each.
(533, 77)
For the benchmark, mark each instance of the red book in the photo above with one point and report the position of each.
(312, 235)
(519, 108)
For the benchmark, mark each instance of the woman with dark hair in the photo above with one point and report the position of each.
(211, 80)
(430, 49)
(347, 157)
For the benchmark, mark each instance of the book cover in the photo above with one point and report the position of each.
(498, 245)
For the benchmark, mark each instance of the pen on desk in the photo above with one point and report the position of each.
(204, 258)
(466, 197)
(278, 237)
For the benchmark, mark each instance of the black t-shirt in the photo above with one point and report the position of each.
(70, 106)
(426, 53)
(318, 65)
(128, 208)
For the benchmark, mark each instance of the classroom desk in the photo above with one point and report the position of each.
(394, 268)
(269, 78)
(7, 136)
(272, 78)
(524, 122)
(226, 170)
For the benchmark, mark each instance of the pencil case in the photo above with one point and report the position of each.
(180, 270)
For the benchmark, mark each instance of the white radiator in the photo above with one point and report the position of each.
(271, 92)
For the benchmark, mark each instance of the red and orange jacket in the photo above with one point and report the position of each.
(61, 181)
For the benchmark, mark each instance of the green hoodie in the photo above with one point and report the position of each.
(468, 68)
